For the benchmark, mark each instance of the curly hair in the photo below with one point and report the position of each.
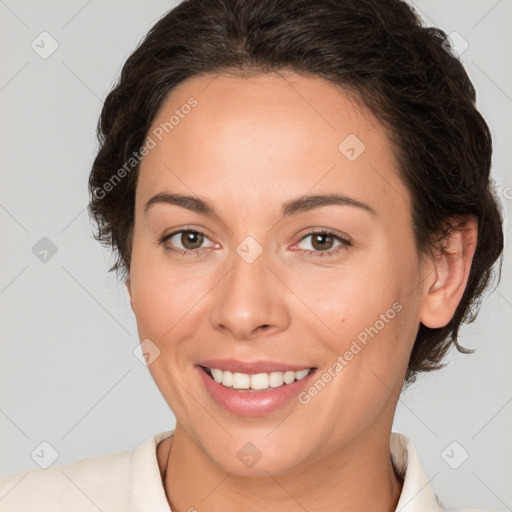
(402, 71)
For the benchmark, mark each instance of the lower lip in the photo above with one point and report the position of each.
(244, 402)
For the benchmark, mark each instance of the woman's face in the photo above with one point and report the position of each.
(254, 280)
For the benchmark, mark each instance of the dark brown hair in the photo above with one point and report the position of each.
(378, 49)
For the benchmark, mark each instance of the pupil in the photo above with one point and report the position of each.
(321, 237)
(195, 239)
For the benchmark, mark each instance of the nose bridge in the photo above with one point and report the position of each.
(247, 299)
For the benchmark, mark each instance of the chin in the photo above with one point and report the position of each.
(253, 454)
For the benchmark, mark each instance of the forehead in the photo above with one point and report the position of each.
(281, 131)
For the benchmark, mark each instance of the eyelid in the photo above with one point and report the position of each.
(164, 238)
(344, 242)
(327, 231)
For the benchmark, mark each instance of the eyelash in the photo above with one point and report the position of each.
(181, 252)
(309, 254)
(344, 244)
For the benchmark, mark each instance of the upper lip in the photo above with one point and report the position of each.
(252, 367)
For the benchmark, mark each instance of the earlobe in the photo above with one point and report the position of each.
(452, 265)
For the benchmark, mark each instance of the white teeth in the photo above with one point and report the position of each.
(241, 381)
(216, 374)
(276, 379)
(301, 374)
(289, 377)
(227, 379)
(257, 381)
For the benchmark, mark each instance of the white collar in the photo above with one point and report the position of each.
(417, 493)
(147, 493)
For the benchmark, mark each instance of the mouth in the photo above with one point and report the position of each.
(254, 388)
(263, 381)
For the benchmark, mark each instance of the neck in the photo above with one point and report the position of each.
(359, 476)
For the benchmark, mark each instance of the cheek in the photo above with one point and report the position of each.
(371, 309)
(158, 296)
(350, 299)
(162, 302)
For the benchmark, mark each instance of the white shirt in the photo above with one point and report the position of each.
(130, 481)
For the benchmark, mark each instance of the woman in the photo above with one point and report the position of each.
(298, 197)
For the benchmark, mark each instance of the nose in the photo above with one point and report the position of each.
(250, 300)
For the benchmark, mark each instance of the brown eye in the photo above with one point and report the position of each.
(322, 241)
(186, 242)
(191, 239)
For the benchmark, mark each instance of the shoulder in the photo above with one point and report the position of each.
(87, 484)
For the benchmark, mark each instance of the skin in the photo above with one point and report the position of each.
(250, 145)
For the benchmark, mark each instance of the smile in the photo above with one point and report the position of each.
(254, 394)
(257, 381)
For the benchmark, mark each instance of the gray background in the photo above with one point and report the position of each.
(68, 375)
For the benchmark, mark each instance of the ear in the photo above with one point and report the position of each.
(449, 272)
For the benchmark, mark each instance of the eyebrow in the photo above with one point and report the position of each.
(292, 207)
